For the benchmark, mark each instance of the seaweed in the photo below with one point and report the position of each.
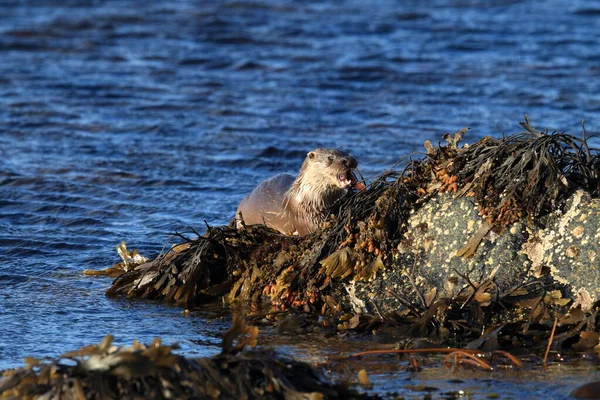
(197, 270)
(528, 174)
(105, 371)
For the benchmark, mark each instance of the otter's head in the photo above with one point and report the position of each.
(333, 166)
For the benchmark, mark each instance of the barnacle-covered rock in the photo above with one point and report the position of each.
(500, 231)
(568, 248)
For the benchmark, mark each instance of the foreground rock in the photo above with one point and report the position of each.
(155, 372)
(500, 233)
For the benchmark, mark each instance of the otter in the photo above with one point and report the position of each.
(298, 206)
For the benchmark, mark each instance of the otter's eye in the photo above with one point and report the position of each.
(311, 155)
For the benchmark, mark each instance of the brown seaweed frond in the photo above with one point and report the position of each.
(460, 356)
(550, 340)
(463, 357)
(239, 336)
(527, 174)
(431, 175)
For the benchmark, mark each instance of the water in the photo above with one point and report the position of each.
(128, 120)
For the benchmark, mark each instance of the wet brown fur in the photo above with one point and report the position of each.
(300, 205)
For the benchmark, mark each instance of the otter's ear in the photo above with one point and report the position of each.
(311, 155)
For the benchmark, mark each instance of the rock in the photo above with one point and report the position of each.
(502, 231)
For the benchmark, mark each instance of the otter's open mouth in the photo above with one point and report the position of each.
(347, 179)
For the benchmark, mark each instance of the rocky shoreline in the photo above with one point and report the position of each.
(491, 246)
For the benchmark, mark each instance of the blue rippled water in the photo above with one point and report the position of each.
(124, 120)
